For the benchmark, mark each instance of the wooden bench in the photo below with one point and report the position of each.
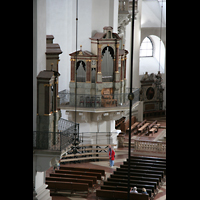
(147, 171)
(139, 174)
(125, 125)
(140, 125)
(102, 171)
(151, 126)
(98, 175)
(148, 161)
(93, 178)
(64, 186)
(145, 164)
(125, 184)
(133, 126)
(148, 158)
(133, 181)
(119, 121)
(143, 127)
(120, 195)
(145, 167)
(121, 188)
(76, 180)
(136, 178)
(153, 130)
(156, 126)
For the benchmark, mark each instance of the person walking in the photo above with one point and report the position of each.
(111, 156)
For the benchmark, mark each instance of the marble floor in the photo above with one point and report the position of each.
(121, 155)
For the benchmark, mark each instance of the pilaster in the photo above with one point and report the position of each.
(88, 71)
(72, 70)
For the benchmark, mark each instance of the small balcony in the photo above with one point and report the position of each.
(69, 100)
(55, 141)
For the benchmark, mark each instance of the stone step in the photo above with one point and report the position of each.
(43, 193)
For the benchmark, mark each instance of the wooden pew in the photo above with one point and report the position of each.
(149, 158)
(148, 161)
(121, 188)
(145, 167)
(154, 129)
(120, 195)
(93, 178)
(76, 180)
(133, 126)
(102, 171)
(125, 125)
(139, 174)
(145, 164)
(133, 181)
(125, 184)
(98, 175)
(140, 125)
(136, 178)
(64, 186)
(119, 121)
(142, 129)
(151, 126)
(143, 171)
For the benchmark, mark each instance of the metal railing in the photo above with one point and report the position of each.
(56, 141)
(96, 101)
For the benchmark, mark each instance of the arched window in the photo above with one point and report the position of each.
(152, 55)
(146, 48)
(81, 71)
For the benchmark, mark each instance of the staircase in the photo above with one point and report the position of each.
(43, 193)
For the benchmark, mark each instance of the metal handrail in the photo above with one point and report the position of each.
(96, 101)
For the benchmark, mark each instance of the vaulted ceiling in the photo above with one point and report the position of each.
(151, 13)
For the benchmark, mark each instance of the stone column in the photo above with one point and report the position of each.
(72, 70)
(88, 71)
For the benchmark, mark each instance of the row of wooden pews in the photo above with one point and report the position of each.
(124, 126)
(145, 172)
(73, 180)
(87, 152)
(148, 127)
(138, 127)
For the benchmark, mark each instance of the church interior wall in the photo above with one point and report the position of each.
(154, 34)
(39, 48)
(60, 26)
